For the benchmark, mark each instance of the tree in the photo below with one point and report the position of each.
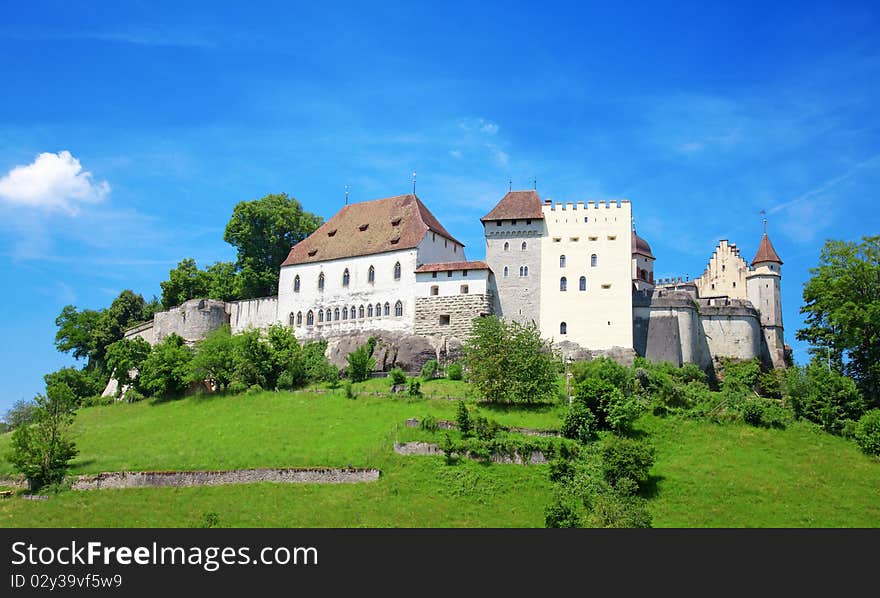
(263, 231)
(842, 307)
(184, 282)
(824, 396)
(22, 413)
(252, 359)
(41, 451)
(84, 383)
(214, 358)
(166, 370)
(75, 331)
(361, 362)
(509, 362)
(125, 358)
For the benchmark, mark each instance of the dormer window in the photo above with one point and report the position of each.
(363, 227)
(395, 222)
(312, 252)
(330, 233)
(395, 240)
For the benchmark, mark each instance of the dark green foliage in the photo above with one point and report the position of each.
(214, 358)
(41, 451)
(484, 428)
(236, 387)
(449, 448)
(821, 395)
(132, 395)
(22, 413)
(453, 371)
(317, 367)
(753, 412)
(84, 383)
(842, 307)
(415, 388)
(218, 281)
(561, 470)
(561, 515)
(165, 372)
(616, 508)
(347, 388)
(263, 231)
(509, 363)
(397, 376)
(867, 432)
(606, 370)
(210, 520)
(124, 360)
(361, 362)
(428, 423)
(287, 365)
(613, 410)
(740, 377)
(430, 369)
(579, 422)
(463, 419)
(252, 359)
(626, 458)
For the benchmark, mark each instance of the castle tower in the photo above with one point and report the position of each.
(513, 230)
(642, 263)
(765, 293)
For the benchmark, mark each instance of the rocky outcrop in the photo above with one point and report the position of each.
(393, 349)
(622, 355)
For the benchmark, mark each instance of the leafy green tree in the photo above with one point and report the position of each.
(430, 369)
(824, 396)
(453, 371)
(223, 283)
(184, 282)
(165, 372)
(75, 331)
(214, 358)
(263, 231)
(252, 360)
(317, 367)
(83, 382)
(508, 362)
(41, 451)
(579, 422)
(361, 362)
(288, 368)
(125, 358)
(463, 419)
(867, 432)
(842, 307)
(22, 413)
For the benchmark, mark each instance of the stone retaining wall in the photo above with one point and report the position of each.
(445, 424)
(458, 311)
(155, 479)
(427, 448)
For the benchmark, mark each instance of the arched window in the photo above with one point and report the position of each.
(299, 318)
(524, 246)
(525, 270)
(361, 311)
(346, 278)
(398, 309)
(370, 310)
(563, 328)
(435, 290)
(378, 309)
(345, 313)
(329, 315)
(321, 281)
(310, 318)
(562, 261)
(296, 284)
(387, 310)
(352, 312)
(397, 271)
(506, 246)
(320, 315)
(291, 319)
(506, 271)
(563, 284)
(371, 275)
(594, 260)
(336, 314)
(583, 283)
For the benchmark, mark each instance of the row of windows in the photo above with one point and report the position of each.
(346, 278)
(346, 313)
(594, 261)
(582, 283)
(523, 247)
(523, 271)
(499, 222)
(464, 289)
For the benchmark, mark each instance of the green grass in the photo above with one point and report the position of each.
(706, 474)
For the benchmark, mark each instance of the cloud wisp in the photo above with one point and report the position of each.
(53, 182)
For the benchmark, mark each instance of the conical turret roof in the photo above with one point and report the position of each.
(766, 253)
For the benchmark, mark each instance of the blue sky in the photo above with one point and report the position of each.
(702, 114)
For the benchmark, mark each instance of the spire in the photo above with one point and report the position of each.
(766, 253)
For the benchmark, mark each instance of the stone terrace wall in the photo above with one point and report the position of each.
(152, 479)
(461, 309)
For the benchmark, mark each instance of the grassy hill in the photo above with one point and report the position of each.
(705, 475)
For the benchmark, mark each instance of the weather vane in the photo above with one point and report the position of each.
(764, 214)
(414, 182)
(509, 185)
(535, 181)
(346, 194)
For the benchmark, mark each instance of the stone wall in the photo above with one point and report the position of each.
(253, 313)
(431, 314)
(153, 479)
(192, 321)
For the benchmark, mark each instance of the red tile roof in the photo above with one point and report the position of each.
(766, 253)
(517, 204)
(443, 267)
(640, 246)
(369, 227)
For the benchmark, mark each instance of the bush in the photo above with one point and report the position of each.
(867, 432)
(254, 389)
(485, 429)
(605, 369)
(753, 412)
(415, 388)
(619, 509)
(349, 392)
(561, 515)
(237, 387)
(823, 396)
(397, 376)
(429, 370)
(463, 419)
(133, 396)
(165, 372)
(578, 423)
(740, 376)
(454, 372)
(361, 362)
(97, 401)
(428, 424)
(214, 359)
(449, 448)
(561, 470)
(626, 458)
(613, 409)
(85, 382)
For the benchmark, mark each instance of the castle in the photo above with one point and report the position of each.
(579, 271)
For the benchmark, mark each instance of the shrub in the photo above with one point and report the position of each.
(740, 376)
(397, 376)
(753, 412)
(317, 367)
(619, 509)
(166, 370)
(606, 370)
(236, 387)
(867, 432)
(823, 396)
(774, 415)
(361, 362)
(429, 370)
(214, 359)
(561, 515)
(561, 470)
(133, 396)
(415, 388)
(626, 458)
(252, 359)
(254, 389)
(578, 423)
(125, 358)
(85, 382)
(623, 413)
(449, 448)
(349, 392)
(428, 424)
(97, 401)
(463, 419)
(453, 371)
(613, 409)
(485, 429)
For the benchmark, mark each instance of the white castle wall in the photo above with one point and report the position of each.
(601, 316)
(252, 313)
(450, 283)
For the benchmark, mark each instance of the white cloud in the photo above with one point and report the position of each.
(500, 156)
(480, 125)
(52, 182)
(455, 153)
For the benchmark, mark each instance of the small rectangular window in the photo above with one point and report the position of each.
(464, 289)
(612, 237)
(449, 274)
(557, 239)
(464, 273)
(592, 238)
(444, 320)
(497, 223)
(433, 275)
(528, 221)
(513, 221)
